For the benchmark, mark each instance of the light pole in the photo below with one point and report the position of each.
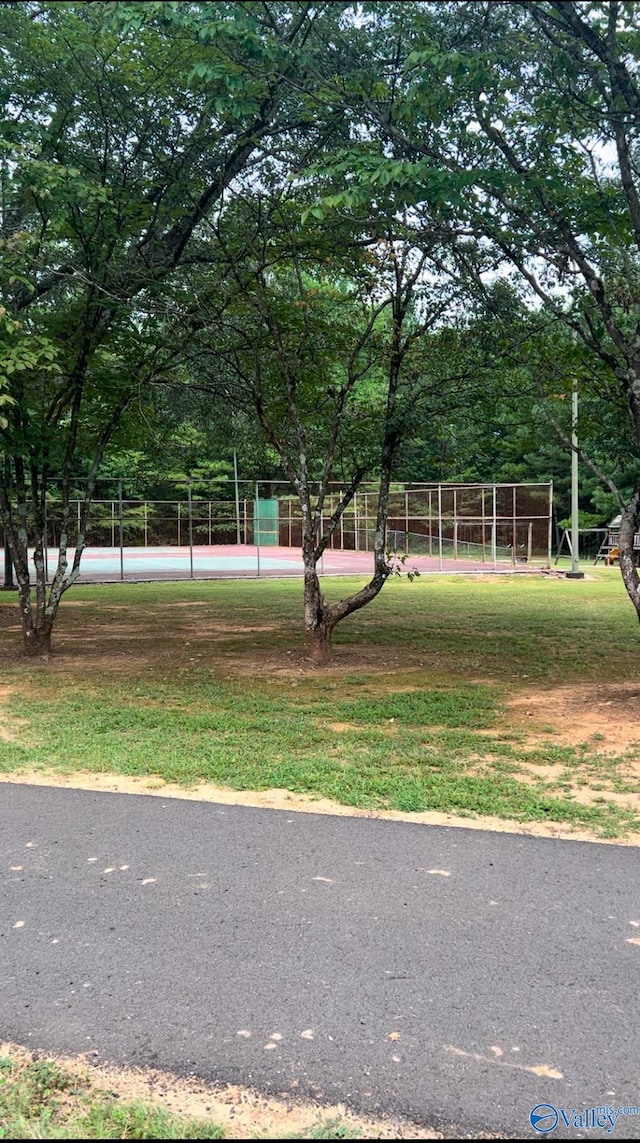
(575, 572)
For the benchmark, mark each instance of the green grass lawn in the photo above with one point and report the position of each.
(39, 1099)
(198, 682)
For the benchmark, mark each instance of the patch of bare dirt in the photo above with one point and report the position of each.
(230, 651)
(8, 725)
(243, 1112)
(606, 716)
(9, 618)
(540, 772)
(582, 790)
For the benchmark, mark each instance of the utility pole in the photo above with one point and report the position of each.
(575, 572)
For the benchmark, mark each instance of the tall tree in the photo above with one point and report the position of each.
(124, 126)
(315, 330)
(522, 120)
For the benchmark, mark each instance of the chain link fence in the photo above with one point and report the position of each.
(487, 523)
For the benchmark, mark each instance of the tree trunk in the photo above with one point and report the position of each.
(317, 616)
(37, 622)
(36, 642)
(628, 569)
(319, 644)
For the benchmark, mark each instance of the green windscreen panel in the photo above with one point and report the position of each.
(266, 527)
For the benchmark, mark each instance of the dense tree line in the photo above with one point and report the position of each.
(373, 241)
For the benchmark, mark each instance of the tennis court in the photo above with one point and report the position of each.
(437, 528)
(233, 561)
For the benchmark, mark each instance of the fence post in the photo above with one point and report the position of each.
(121, 529)
(190, 512)
(455, 524)
(514, 538)
(494, 526)
(356, 542)
(179, 530)
(484, 529)
(439, 527)
(210, 524)
(550, 529)
(256, 528)
(237, 491)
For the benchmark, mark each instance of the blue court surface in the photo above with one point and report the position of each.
(107, 565)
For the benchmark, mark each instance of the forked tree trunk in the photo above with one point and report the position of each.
(38, 601)
(320, 618)
(36, 641)
(36, 616)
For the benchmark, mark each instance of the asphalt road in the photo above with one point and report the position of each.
(453, 976)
